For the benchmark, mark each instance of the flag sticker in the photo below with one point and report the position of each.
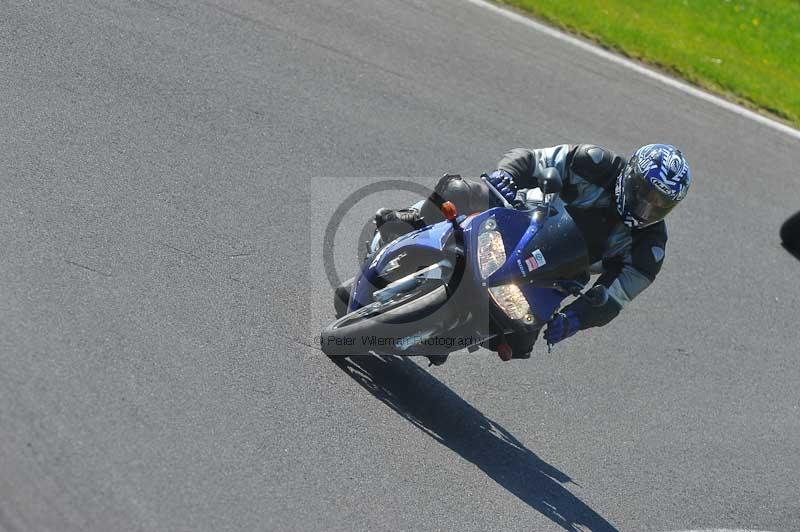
(536, 260)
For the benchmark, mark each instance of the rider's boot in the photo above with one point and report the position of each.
(394, 223)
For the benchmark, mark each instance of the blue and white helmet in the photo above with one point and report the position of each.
(654, 181)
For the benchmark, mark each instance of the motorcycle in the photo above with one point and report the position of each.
(467, 282)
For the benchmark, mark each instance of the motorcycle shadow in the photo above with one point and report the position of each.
(434, 408)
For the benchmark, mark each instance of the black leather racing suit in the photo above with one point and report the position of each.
(627, 259)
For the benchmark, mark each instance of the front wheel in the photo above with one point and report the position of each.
(384, 326)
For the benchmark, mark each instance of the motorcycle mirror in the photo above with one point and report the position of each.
(550, 181)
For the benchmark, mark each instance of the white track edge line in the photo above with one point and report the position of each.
(652, 74)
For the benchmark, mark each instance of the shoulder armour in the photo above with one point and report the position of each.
(595, 164)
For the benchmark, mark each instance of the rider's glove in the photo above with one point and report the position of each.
(562, 326)
(504, 183)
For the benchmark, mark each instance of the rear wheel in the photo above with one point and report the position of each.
(383, 324)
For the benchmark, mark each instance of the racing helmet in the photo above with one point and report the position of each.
(654, 181)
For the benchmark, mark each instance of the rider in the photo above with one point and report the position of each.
(618, 205)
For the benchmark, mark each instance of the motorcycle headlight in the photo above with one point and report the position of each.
(491, 251)
(511, 299)
(491, 256)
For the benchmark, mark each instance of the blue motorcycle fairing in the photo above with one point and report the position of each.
(544, 302)
(551, 250)
(433, 238)
(518, 229)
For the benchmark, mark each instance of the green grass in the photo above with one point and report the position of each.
(745, 49)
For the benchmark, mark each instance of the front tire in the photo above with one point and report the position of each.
(350, 334)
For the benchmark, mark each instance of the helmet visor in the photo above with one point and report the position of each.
(644, 201)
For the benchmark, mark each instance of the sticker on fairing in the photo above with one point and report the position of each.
(535, 261)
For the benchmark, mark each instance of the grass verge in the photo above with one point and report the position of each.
(745, 49)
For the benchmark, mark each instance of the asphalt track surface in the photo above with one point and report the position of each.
(161, 167)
